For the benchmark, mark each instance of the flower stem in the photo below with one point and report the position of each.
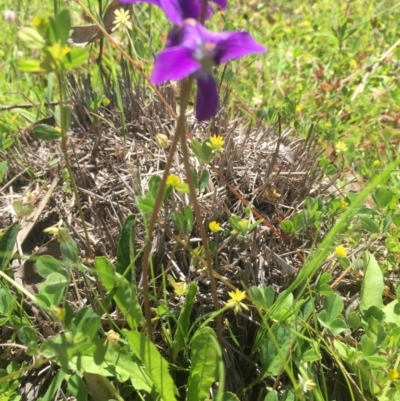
(64, 140)
(203, 234)
(180, 128)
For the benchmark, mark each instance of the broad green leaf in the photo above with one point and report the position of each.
(46, 132)
(204, 368)
(3, 169)
(7, 242)
(373, 285)
(337, 326)
(376, 360)
(77, 387)
(271, 396)
(46, 265)
(195, 145)
(21, 209)
(125, 249)
(287, 226)
(86, 324)
(382, 197)
(27, 335)
(5, 302)
(124, 292)
(69, 249)
(75, 58)
(205, 177)
(183, 323)
(390, 312)
(311, 355)
(62, 26)
(227, 396)
(56, 282)
(333, 305)
(263, 297)
(369, 225)
(31, 37)
(367, 345)
(271, 358)
(140, 49)
(287, 304)
(155, 364)
(32, 66)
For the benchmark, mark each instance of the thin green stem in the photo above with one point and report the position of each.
(64, 141)
(185, 93)
(203, 234)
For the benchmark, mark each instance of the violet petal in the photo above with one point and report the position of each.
(174, 64)
(238, 44)
(207, 96)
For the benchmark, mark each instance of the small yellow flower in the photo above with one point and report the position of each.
(173, 180)
(353, 64)
(112, 336)
(214, 226)
(162, 141)
(57, 128)
(376, 163)
(236, 301)
(60, 314)
(106, 101)
(340, 252)
(122, 20)
(298, 108)
(40, 22)
(341, 147)
(393, 374)
(306, 385)
(343, 203)
(59, 231)
(216, 143)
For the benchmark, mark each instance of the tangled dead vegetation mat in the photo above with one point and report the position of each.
(113, 158)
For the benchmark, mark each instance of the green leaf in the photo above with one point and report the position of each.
(189, 219)
(155, 364)
(382, 197)
(337, 326)
(5, 302)
(21, 209)
(46, 265)
(373, 285)
(207, 151)
(369, 225)
(56, 282)
(69, 249)
(124, 293)
(27, 335)
(85, 324)
(183, 323)
(46, 132)
(333, 305)
(31, 66)
(271, 396)
(61, 26)
(183, 188)
(204, 368)
(75, 58)
(376, 360)
(195, 145)
(31, 37)
(3, 170)
(77, 387)
(367, 345)
(204, 178)
(140, 49)
(125, 249)
(54, 386)
(272, 358)
(263, 297)
(7, 242)
(227, 396)
(390, 312)
(287, 227)
(311, 355)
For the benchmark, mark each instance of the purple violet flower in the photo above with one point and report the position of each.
(179, 10)
(195, 51)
